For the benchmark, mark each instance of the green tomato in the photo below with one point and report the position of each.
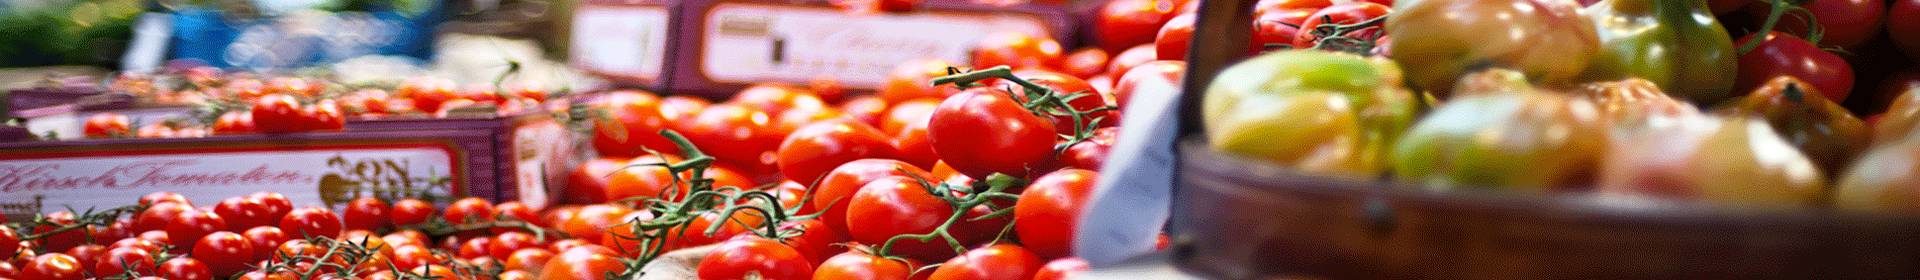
(1529, 142)
(1678, 45)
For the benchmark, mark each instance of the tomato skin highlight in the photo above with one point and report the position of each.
(995, 262)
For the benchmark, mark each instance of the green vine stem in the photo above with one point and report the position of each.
(1039, 100)
(996, 186)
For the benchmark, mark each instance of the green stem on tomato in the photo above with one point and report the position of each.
(1773, 18)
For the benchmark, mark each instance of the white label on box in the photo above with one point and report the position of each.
(747, 43)
(538, 148)
(307, 177)
(622, 40)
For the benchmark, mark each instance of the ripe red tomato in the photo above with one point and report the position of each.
(87, 254)
(469, 210)
(837, 188)
(193, 224)
(588, 183)
(121, 260)
(65, 240)
(1016, 49)
(621, 237)
(1163, 74)
(896, 205)
(866, 108)
(324, 116)
(636, 180)
(907, 113)
(582, 263)
(1782, 54)
(241, 213)
(1092, 153)
(1135, 56)
(366, 213)
(506, 243)
(185, 268)
(854, 264)
(311, 221)
(909, 129)
(694, 234)
(983, 131)
(1059, 197)
(277, 205)
(119, 229)
(1343, 14)
(632, 124)
(913, 80)
(265, 238)
(529, 259)
(777, 98)
(108, 125)
(53, 266)
(1174, 38)
(735, 134)
(157, 197)
(409, 257)
(1277, 22)
(226, 253)
(996, 262)
(1067, 85)
(1061, 269)
(474, 248)
(278, 113)
(515, 210)
(1844, 23)
(1126, 23)
(789, 121)
(1086, 62)
(816, 241)
(9, 242)
(427, 93)
(409, 211)
(754, 256)
(812, 151)
(593, 220)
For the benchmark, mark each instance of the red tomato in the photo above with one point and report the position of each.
(1782, 54)
(277, 205)
(157, 197)
(1086, 62)
(120, 229)
(53, 266)
(193, 224)
(996, 262)
(9, 242)
(867, 109)
(816, 240)
(735, 134)
(913, 80)
(1342, 14)
(514, 210)
(1061, 269)
(593, 220)
(241, 213)
(854, 264)
(588, 183)
(311, 221)
(469, 210)
(754, 257)
(8, 271)
(278, 113)
(1092, 153)
(584, 262)
(789, 121)
(983, 131)
(812, 151)
(475, 248)
(324, 115)
(409, 257)
(121, 260)
(1277, 22)
(1016, 49)
(908, 113)
(226, 253)
(1126, 23)
(65, 240)
(87, 255)
(366, 213)
(427, 93)
(506, 243)
(909, 124)
(1163, 74)
(108, 125)
(777, 98)
(529, 259)
(837, 188)
(897, 205)
(694, 234)
(411, 211)
(1174, 38)
(637, 180)
(185, 268)
(1135, 56)
(632, 124)
(263, 238)
(1058, 197)
(1903, 27)
(1844, 23)
(1067, 86)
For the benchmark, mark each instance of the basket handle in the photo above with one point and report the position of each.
(1221, 32)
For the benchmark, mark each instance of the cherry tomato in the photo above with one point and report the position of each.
(9, 242)
(469, 210)
(528, 259)
(908, 125)
(1126, 23)
(411, 211)
(427, 94)
(754, 257)
(745, 133)
(324, 115)
(996, 262)
(277, 205)
(278, 113)
(1126, 60)
(108, 125)
(983, 131)
(816, 240)
(1086, 62)
(65, 240)
(579, 263)
(1059, 197)
(241, 213)
(632, 124)
(195, 223)
(366, 213)
(1844, 23)
(1016, 49)
(588, 183)
(264, 238)
(1174, 38)
(185, 268)
(1782, 54)
(694, 234)
(475, 248)
(1342, 14)
(777, 98)
(622, 237)
(506, 243)
(637, 180)
(1061, 269)
(868, 109)
(121, 260)
(1084, 97)
(812, 151)
(837, 188)
(1092, 153)
(896, 205)
(593, 220)
(157, 197)
(1276, 25)
(913, 80)
(514, 210)
(88, 255)
(1903, 27)
(1164, 74)
(409, 257)
(854, 264)
(789, 121)
(311, 221)
(53, 266)
(227, 253)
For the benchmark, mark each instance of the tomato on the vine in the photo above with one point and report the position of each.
(265, 238)
(593, 221)
(242, 213)
(311, 221)
(227, 253)
(409, 257)
(469, 210)
(277, 204)
(529, 259)
(1085, 63)
(506, 243)
(62, 241)
(1782, 54)
(748, 257)
(581, 263)
(995, 262)
(812, 151)
(907, 123)
(108, 125)
(366, 213)
(1092, 153)
(856, 264)
(53, 266)
(475, 248)
(983, 131)
(816, 240)
(278, 113)
(1843, 23)
(119, 261)
(631, 124)
(1016, 49)
(746, 133)
(897, 205)
(1084, 97)
(185, 268)
(193, 224)
(588, 183)
(1060, 197)
(837, 188)
(1341, 14)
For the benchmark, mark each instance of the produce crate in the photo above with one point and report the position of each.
(530, 153)
(722, 46)
(33, 98)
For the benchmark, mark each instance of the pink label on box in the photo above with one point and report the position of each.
(754, 42)
(316, 175)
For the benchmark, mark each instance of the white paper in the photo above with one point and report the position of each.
(149, 46)
(1130, 204)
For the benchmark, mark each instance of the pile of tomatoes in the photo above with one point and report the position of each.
(237, 103)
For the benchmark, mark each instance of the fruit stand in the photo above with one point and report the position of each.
(960, 139)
